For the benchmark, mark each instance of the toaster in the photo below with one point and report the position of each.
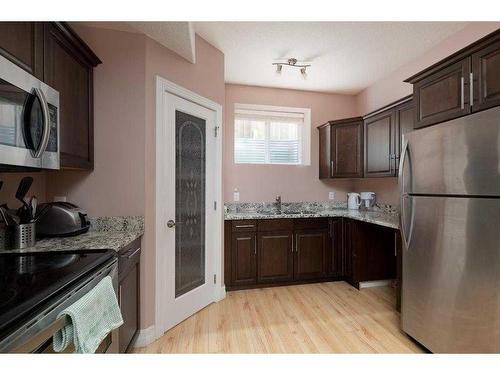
(61, 219)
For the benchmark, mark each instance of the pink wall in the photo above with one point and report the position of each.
(294, 183)
(11, 182)
(392, 87)
(116, 185)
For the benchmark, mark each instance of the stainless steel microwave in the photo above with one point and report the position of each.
(29, 120)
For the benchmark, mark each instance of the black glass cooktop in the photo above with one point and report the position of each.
(27, 281)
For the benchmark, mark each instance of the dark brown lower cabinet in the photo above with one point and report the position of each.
(336, 256)
(311, 247)
(275, 257)
(370, 252)
(128, 292)
(244, 258)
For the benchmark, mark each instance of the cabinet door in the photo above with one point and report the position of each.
(373, 252)
(379, 144)
(405, 121)
(443, 95)
(67, 72)
(486, 81)
(22, 43)
(275, 257)
(336, 267)
(311, 248)
(347, 256)
(244, 259)
(325, 154)
(347, 151)
(128, 294)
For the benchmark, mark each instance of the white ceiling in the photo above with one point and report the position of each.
(346, 56)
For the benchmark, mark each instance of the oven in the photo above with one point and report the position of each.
(29, 120)
(36, 334)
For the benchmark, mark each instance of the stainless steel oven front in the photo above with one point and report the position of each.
(29, 120)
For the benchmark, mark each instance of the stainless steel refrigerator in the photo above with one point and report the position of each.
(449, 180)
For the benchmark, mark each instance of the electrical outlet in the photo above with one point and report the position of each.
(61, 198)
(331, 195)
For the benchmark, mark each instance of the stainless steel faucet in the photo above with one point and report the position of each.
(278, 203)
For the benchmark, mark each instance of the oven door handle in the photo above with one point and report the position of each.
(39, 338)
(46, 123)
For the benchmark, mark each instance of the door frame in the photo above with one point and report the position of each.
(162, 86)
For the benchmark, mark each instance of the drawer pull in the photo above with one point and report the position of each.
(244, 226)
(131, 255)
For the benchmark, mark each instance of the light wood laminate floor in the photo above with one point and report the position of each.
(328, 317)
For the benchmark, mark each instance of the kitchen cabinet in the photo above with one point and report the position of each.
(336, 260)
(279, 251)
(380, 139)
(383, 131)
(463, 83)
(54, 53)
(22, 43)
(325, 151)
(128, 292)
(275, 256)
(244, 258)
(341, 148)
(68, 68)
(370, 252)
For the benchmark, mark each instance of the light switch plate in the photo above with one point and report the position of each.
(331, 195)
(236, 196)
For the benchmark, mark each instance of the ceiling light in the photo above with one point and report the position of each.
(303, 72)
(293, 63)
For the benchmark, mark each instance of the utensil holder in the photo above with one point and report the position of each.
(23, 235)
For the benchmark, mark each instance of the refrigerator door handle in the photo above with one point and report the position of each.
(404, 195)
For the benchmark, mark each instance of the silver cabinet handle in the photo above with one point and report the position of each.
(471, 88)
(331, 168)
(46, 123)
(135, 252)
(462, 92)
(255, 246)
(244, 226)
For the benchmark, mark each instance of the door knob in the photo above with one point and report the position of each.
(170, 223)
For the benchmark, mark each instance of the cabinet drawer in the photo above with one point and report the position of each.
(128, 257)
(274, 224)
(310, 223)
(244, 225)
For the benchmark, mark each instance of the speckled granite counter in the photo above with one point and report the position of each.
(105, 233)
(386, 215)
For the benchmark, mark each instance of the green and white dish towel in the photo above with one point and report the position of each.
(91, 318)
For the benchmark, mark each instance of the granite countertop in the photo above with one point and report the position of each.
(110, 233)
(386, 216)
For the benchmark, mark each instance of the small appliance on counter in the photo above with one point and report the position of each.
(353, 201)
(368, 199)
(61, 219)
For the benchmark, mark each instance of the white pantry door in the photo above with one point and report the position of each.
(186, 203)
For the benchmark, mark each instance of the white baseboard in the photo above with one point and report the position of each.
(372, 284)
(144, 337)
(220, 293)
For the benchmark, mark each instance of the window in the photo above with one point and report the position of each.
(271, 135)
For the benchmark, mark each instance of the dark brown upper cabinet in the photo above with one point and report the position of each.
(68, 67)
(379, 133)
(341, 147)
(383, 131)
(22, 43)
(54, 53)
(465, 82)
(486, 77)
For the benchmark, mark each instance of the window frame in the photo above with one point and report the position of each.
(305, 138)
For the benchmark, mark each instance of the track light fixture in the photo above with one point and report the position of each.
(292, 62)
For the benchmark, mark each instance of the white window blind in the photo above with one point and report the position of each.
(264, 136)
